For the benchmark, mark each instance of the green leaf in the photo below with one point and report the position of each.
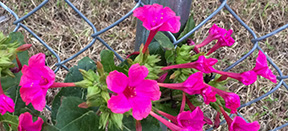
(107, 60)
(17, 36)
(148, 124)
(188, 27)
(72, 118)
(164, 41)
(9, 119)
(74, 75)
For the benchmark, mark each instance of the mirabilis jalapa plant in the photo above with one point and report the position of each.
(138, 89)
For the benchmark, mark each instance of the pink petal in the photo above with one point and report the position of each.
(232, 101)
(193, 121)
(194, 83)
(6, 104)
(208, 95)
(119, 104)
(248, 77)
(37, 60)
(239, 124)
(136, 74)
(117, 81)
(148, 88)
(141, 106)
(26, 123)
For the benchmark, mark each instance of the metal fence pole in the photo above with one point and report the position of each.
(181, 7)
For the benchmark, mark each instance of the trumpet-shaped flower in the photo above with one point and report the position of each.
(226, 40)
(261, 68)
(6, 104)
(232, 100)
(192, 121)
(202, 64)
(132, 92)
(35, 81)
(26, 123)
(247, 77)
(156, 18)
(238, 124)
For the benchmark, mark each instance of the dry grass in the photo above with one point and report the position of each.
(63, 30)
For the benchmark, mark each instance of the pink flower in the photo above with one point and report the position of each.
(156, 18)
(193, 121)
(208, 95)
(35, 81)
(132, 92)
(26, 123)
(261, 68)
(247, 78)
(184, 121)
(6, 104)
(202, 64)
(238, 124)
(215, 33)
(232, 100)
(192, 85)
(226, 40)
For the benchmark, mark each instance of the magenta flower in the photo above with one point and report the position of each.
(192, 85)
(35, 81)
(193, 121)
(208, 95)
(261, 68)
(238, 124)
(202, 64)
(226, 40)
(232, 100)
(156, 18)
(6, 104)
(26, 123)
(247, 77)
(215, 33)
(132, 92)
(184, 121)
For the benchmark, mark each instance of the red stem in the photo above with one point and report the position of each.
(206, 41)
(190, 105)
(138, 125)
(152, 33)
(170, 117)
(227, 118)
(186, 65)
(1, 90)
(214, 48)
(183, 102)
(18, 63)
(59, 84)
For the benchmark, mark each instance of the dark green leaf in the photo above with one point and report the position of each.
(188, 27)
(148, 124)
(156, 49)
(73, 118)
(17, 36)
(74, 75)
(164, 41)
(9, 119)
(107, 60)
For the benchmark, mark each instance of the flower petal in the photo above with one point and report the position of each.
(239, 124)
(119, 104)
(141, 106)
(37, 60)
(148, 88)
(136, 74)
(117, 81)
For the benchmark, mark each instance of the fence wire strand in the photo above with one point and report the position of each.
(95, 36)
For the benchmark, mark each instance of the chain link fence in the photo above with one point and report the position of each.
(61, 63)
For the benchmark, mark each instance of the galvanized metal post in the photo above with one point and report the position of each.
(180, 7)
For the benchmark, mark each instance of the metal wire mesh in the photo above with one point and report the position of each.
(255, 40)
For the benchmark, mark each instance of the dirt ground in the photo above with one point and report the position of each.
(64, 31)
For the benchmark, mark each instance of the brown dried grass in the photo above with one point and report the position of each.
(63, 30)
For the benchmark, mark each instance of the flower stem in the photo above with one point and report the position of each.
(186, 65)
(152, 33)
(138, 125)
(227, 118)
(208, 39)
(183, 102)
(18, 63)
(1, 90)
(176, 86)
(59, 84)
